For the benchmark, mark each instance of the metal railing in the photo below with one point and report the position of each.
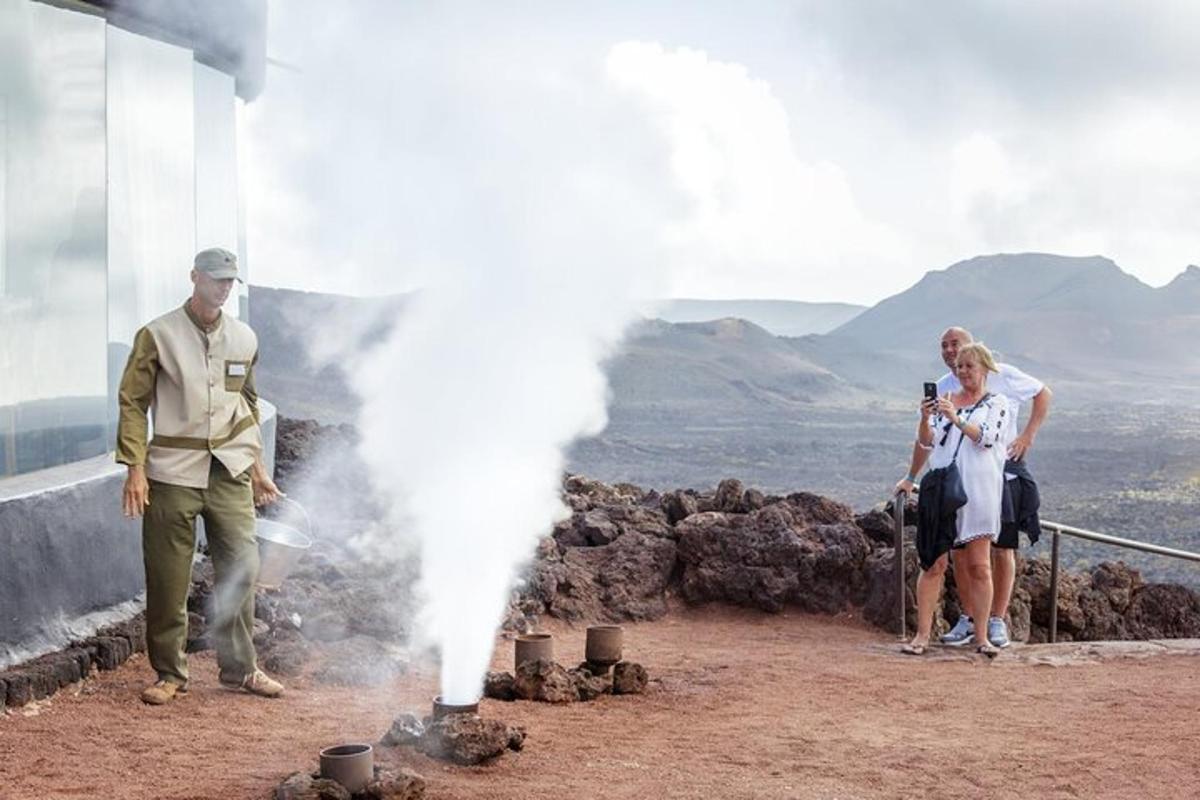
(1057, 530)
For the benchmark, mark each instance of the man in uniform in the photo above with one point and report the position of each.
(1017, 387)
(194, 368)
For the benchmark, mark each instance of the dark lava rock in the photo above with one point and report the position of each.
(729, 496)
(584, 494)
(625, 580)
(546, 681)
(400, 784)
(468, 739)
(629, 678)
(753, 500)
(19, 688)
(597, 528)
(813, 509)
(302, 786)
(108, 652)
(197, 634)
(406, 730)
(768, 559)
(500, 686)
(679, 506)
(877, 526)
(880, 606)
(588, 685)
(1164, 611)
(285, 653)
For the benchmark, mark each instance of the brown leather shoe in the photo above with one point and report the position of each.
(162, 692)
(257, 682)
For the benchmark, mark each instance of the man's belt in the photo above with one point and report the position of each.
(196, 443)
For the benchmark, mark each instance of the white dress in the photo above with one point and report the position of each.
(981, 464)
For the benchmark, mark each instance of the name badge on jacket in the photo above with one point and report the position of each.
(236, 369)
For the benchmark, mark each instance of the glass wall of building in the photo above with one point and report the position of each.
(52, 237)
(118, 160)
(151, 182)
(216, 165)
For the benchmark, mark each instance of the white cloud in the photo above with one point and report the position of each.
(823, 151)
(763, 222)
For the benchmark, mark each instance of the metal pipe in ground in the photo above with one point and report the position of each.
(898, 504)
(1054, 588)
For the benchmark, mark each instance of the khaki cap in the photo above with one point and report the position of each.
(217, 262)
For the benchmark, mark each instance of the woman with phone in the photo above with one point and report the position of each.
(964, 430)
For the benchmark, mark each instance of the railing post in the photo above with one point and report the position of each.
(899, 502)
(1054, 588)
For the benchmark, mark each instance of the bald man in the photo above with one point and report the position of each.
(1018, 388)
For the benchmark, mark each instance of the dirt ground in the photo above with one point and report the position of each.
(740, 705)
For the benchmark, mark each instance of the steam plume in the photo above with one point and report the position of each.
(492, 371)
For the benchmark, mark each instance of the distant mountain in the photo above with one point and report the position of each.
(298, 367)
(1079, 320)
(780, 317)
(1083, 324)
(725, 366)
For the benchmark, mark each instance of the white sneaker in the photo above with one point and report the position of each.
(961, 634)
(998, 632)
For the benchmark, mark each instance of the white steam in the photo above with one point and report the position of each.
(491, 372)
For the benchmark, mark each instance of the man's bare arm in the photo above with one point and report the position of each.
(1041, 409)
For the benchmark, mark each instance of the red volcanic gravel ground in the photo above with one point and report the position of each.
(740, 705)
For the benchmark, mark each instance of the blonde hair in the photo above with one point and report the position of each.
(981, 352)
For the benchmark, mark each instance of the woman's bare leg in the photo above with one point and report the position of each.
(978, 560)
(929, 589)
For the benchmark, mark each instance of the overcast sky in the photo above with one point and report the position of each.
(803, 150)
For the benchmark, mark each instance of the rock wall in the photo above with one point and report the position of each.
(626, 552)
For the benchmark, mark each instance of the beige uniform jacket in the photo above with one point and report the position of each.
(198, 383)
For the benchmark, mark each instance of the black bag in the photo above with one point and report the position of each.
(942, 495)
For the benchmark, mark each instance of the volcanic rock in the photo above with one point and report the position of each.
(500, 686)
(401, 784)
(588, 685)
(625, 580)
(302, 786)
(406, 729)
(729, 496)
(546, 681)
(584, 494)
(679, 505)
(629, 678)
(468, 739)
(197, 634)
(813, 509)
(285, 653)
(880, 605)
(1164, 610)
(877, 526)
(773, 557)
(19, 687)
(108, 652)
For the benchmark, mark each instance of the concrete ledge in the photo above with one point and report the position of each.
(68, 556)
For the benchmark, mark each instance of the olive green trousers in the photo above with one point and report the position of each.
(168, 544)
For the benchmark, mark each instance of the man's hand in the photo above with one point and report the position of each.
(136, 494)
(904, 485)
(265, 490)
(1020, 446)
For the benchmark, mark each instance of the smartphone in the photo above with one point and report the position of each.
(930, 391)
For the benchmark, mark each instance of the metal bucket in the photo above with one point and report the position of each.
(279, 548)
